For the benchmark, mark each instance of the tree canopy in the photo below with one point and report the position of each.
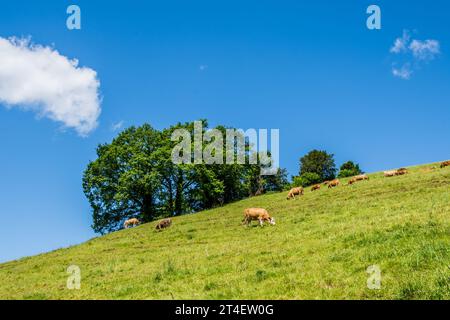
(320, 163)
(349, 169)
(134, 176)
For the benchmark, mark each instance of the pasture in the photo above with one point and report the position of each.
(320, 248)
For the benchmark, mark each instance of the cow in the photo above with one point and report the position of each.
(445, 164)
(401, 171)
(360, 177)
(390, 173)
(316, 187)
(165, 223)
(295, 192)
(333, 183)
(259, 214)
(131, 222)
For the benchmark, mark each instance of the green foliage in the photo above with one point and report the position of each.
(349, 169)
(307, 179)
(297, 182)
(134, 176)
(123, 182)
(277, 182)
(319, 162)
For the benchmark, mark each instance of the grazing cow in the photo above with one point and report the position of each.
(360, 177)
(445, 164)
(131, 222)
(390, 173)
(316, 187)
(259, 214)
(295, 192)
(165, 223)
(333, 183)
(401, 171)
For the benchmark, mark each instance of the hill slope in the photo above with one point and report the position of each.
(321, 247)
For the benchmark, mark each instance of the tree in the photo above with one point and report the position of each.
(135, 176)
(307, 179)
(320, 163)
(349, 169)
(277, 182)
(124, 181)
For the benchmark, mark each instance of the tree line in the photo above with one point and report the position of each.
(318, 166)
(134, 176)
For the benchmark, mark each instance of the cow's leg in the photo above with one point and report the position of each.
(261, 222)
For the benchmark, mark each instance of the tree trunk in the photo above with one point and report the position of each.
(179, 194)
(148, 211)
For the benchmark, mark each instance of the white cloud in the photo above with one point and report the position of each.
(39, 78)
(404, 72)
(117, 126)
(400, 44)
(413, 53)
(425, 50)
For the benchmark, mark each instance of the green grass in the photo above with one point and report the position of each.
(320, 249)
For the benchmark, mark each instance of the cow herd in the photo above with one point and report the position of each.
(398, 172)
(261, 214)
(299, 191)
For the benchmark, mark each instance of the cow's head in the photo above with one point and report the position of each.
(272, 221)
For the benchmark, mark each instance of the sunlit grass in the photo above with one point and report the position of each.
(319, 249)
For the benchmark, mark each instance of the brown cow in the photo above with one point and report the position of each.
(334, 183)
(165, 223)
(259, 214)
(445, 164)
(295, 192)
(390, 173)
(398, 172)
(133, 222)
(316, 187)
(360, 177)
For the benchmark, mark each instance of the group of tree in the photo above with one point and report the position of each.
(134, 176)
(318, 166)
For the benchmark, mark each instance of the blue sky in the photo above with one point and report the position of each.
(311, 69)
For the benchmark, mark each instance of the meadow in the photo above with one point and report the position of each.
(320, 248)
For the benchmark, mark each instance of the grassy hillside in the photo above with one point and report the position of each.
(319, 249)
